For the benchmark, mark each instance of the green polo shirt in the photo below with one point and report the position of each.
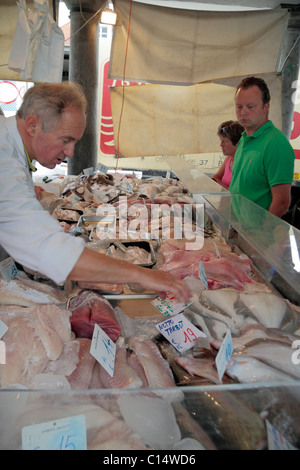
(261, 161)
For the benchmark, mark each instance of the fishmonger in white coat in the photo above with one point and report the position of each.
(50, 121)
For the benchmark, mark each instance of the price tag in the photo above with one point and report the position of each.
(8, 269)
(276, 441)
(3, 328)
(61, 434)
(180, 332)
(224, 354)
(88, 171)
(202, 275)
(103, 349)
(2, 352)
(169, 306)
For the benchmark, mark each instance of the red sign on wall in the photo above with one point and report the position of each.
(295, 134)
(107, 145)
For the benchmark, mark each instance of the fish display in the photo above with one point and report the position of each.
(49, 335)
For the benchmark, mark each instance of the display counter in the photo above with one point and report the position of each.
(254, 405)
(239, 417)
(272, 244)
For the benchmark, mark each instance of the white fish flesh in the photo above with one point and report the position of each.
(268, 308)
(156, 368)
(275, 354)
(27, 293)
(247, 369)
(152, 418)
(212, 314)
(252, 334)
(225, 300)
(81, 377)
(116, 436)
(124, 375)
(200, 367)
(52, 326)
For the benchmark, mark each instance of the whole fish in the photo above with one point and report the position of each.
(275, 354)
(190, 428)
(247, 369)
(252, 334)
(229, 422)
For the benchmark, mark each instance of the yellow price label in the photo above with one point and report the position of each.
(296, 176)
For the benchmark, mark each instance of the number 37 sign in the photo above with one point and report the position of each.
(181, 333)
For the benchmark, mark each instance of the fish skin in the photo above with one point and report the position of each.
(228, 420)
(275, 354)
(268, 308)
(252, 334)
(200, 367)
(189, 427)
(247, 369)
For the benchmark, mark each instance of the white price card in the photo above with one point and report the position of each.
(224, 354)
(181, 333)
(103, 349)
(8, 269)
(3, 328)
(2, 352)
(276, 441)
(169, 306)
(202, 274)
(61, 434)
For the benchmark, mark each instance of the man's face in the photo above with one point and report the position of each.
(52, 147)
(250, 110)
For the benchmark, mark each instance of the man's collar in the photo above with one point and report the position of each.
(31, 167)
(261, 129)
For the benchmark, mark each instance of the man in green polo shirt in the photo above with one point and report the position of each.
(264, 161)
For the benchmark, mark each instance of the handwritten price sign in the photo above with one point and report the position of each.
(61, 434)
(169, 306)
(181, 333)
(103, 349)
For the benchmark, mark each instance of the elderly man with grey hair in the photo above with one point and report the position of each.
(50, 121)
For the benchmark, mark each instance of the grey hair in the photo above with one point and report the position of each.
(48, 101)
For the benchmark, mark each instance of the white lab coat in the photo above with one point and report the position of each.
(28, 232)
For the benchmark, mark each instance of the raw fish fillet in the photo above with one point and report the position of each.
(124, 375)
(116, 436)
(269, 309)
(88, 309)
(200, 367)
(157, 370)
(67, 361)
(81, 377)
(25, 353)
(247, 369)
(28, 293)
(153, 419)
(134, 362)
(52, 325)
(220, 272)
